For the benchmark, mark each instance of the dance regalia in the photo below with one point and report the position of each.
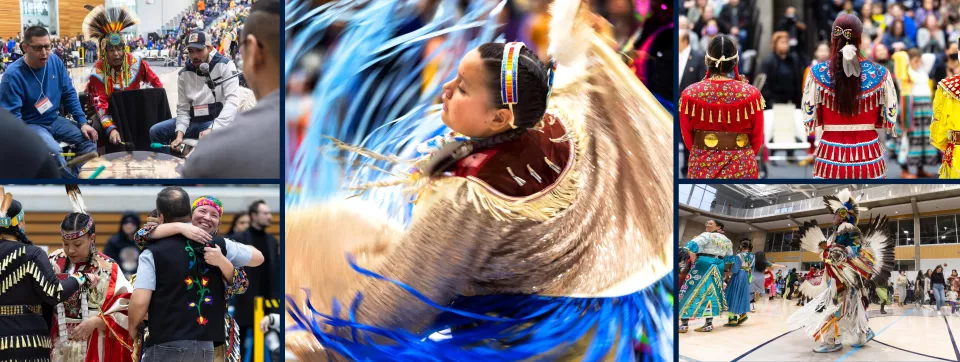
(25, 306)
(945, 130)
(497, 262)
(104, 80)
(722, 126)
(738, 288)
(702, 292)
(107, 25)
(108, 300)
(851, 258)
(812, 284)
(29, 288)
(850, 146)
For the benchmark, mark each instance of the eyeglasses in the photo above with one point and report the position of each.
(38, 48)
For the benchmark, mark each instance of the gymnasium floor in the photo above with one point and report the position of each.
(903, 334)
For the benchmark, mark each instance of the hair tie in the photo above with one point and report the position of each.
(509, 68)
(716, 62)
(846, 33)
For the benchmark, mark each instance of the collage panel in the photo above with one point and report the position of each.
(131, 272)
(158, 123)
(479, 180)
(127, 89)
(817, 90)
(814, 272)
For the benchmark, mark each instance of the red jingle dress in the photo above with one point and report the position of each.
(850, 146)
(726, 106)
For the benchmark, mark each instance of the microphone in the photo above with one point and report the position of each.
(204, 71)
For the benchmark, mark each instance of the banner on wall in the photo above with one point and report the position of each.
(38, 13)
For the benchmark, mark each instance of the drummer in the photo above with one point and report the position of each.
(33, 89)
(116, 69)
(201, 110)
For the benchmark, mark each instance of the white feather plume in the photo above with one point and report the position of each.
(844, 195)
(811, 236)
(76, 199)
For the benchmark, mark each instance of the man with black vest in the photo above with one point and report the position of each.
(183, 293)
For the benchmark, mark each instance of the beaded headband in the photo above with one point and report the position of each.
(846, 33)
(208, 201)
(508, 75)
(6, 222)
(73, 235)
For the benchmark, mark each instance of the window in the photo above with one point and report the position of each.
(905, 233)
(946, 229)
(685, 194)
(928, 230)
(892, 231)
(696, 197)
(709, 199)
(777, 242)
(788, 241)
(768, 244)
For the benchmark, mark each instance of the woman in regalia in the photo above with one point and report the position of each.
(852, 257)
(30, 289)
(849, 97)
(516, 249)
(91, 325)
(721, 118)
(738, 287)
(945, 129)
(701, 295)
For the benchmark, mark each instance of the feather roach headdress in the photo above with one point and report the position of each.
(845, 205)
(107, 24)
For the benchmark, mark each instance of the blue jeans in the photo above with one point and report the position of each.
(63, 130)
(179, 351)
(166, 131)
(938, 295)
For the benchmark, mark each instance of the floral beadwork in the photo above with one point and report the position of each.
(738, 164)
(201, 283)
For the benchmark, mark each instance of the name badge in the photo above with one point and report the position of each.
(43, 105)
(203, 110)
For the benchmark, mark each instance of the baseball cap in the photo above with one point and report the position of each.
(198, 39)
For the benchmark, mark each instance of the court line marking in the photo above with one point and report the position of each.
(908, 351)
(762, 344)
(854, 349)
(955, 350)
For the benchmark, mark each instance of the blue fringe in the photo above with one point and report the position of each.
(635, 327)
(371, 93)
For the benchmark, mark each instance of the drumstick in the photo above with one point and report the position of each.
(81, 159)
(97, 172)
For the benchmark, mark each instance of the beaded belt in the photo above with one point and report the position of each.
(19, 309)
(717, 140)
(849, 127)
